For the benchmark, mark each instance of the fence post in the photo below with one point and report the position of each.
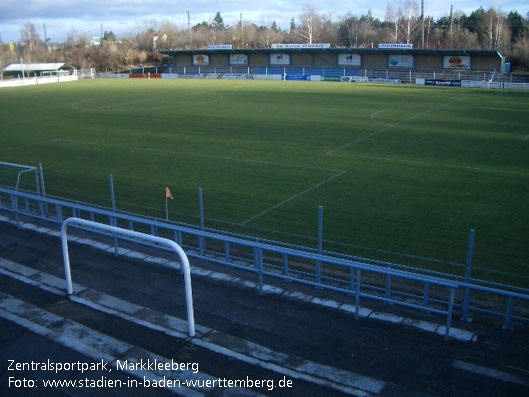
(466, 297)
(260, 266)
(201, 205)
(113, 199)
(352, 279)
(14, 205)
(227, 251)
(357, 294)
(388, 283)
(508, 316)
(39, 190)
(58, 211)
(320, 243)
(426, 301)
(449, 313)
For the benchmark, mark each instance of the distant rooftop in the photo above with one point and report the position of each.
(27, 67)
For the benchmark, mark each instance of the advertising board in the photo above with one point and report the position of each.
(297, 77)
(219, 47)
(200, 60)
(447, 83)
(238, 59)
(395, 45)
(279, 59)
(298, 45)
(349, 60)
(456, 62)
(400, 61)
(331, 78)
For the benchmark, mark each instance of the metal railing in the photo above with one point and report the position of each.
(359, 277)
(405, 75)
(93, 226)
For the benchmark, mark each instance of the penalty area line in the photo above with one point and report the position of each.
(292, 198)
(436, 165)
(389, 126)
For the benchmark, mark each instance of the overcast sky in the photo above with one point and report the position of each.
(124, 16)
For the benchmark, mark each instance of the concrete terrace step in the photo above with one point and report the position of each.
(196, 270)
(100, 347)
(283, 333)
(96, 345)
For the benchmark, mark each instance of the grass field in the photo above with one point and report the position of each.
(397, 169)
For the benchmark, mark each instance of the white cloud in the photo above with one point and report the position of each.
(122, 16)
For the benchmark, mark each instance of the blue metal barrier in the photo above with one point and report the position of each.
(283, 261)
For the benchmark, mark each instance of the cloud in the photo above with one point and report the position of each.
(122, 16)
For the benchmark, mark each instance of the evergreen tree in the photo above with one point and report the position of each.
(218, 22)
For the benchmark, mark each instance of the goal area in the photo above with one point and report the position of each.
(86, 73)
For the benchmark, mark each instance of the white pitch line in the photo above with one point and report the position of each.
(490, 372)
(526, 138)
(76, 109)
(389, 126)
(440, 165)
(292, 198)
(375, 120)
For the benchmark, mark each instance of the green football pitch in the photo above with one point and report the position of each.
(402, 172)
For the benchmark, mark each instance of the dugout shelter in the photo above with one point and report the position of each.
(19, 70)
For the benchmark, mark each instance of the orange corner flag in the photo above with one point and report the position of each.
(168, 193)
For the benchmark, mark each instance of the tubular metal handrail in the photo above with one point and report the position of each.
(184, 262)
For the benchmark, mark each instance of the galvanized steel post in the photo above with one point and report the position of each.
(466, 298)
(113, 220)
(320, 243)
(508, 316)
(201, 206)
(357, 294)
(43, 188)
(449, 313)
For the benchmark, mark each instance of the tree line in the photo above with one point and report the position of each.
(491, 29)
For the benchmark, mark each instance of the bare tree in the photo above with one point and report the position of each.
(29, 36)
(496, 28)
(392, 20)
(268, 33)
(409, 21)
(310, 24)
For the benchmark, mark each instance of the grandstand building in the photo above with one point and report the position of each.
(351, 59)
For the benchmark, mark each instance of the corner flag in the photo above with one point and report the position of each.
(167, 195)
